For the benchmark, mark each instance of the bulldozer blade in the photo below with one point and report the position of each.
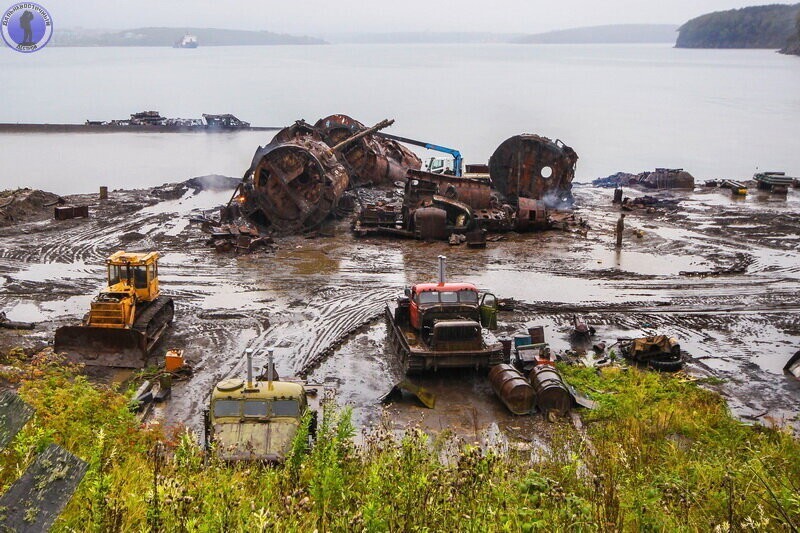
(427, 398)
(113, 347)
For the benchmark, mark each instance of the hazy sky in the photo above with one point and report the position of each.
(335, 16)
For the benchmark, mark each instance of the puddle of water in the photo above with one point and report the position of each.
(644, 263)
(41, 272)
(307, 261)
(27, 311)
(534, 286)
(189, 202)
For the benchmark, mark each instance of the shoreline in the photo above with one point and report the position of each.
(8, 127)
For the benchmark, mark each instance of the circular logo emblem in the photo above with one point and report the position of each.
(26, 27)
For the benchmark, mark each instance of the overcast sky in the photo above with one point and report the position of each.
(335, 16)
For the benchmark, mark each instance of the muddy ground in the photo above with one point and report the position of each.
(720, 274)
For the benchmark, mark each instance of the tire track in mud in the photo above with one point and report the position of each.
(331, 316)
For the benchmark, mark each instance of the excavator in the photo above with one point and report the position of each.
(125, 321)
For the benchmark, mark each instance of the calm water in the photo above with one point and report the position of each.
(622, 107)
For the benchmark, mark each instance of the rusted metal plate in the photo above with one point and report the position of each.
(476, 193)
(14, 414)
(532, 166)
(35, 500)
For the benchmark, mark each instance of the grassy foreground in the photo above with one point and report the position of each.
(661, 453)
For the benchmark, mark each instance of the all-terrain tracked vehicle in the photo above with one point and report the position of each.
(444, 325)
(125, 321)
(258, 419)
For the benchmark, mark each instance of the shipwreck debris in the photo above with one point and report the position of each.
(297, 180)
(774, 182)
(660, 178)
(658, 352)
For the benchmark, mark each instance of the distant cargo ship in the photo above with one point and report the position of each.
(188, 41)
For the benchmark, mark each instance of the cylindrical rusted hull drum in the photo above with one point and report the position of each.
(430, 223)
(531, 166)
(512, 389)
(371, 159)
(294, 185)
(552, 395)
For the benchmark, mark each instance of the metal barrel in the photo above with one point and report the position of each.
(552, 395)
(512, 389)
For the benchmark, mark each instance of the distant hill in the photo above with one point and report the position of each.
(419, 37)
(769, 26)
(168, 36)
(611, 34)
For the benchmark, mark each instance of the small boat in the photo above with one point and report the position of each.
(188, 41)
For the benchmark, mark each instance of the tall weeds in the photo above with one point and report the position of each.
(660, 453)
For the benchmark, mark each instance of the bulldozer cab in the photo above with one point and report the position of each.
(132, 272)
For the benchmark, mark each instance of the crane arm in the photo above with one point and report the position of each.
(457, 159)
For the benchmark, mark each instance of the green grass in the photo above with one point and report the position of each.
(660, 453)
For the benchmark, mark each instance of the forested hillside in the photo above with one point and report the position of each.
(770, 26)
(794, 44)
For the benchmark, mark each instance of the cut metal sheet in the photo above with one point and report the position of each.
(14, 414)
(35, 500)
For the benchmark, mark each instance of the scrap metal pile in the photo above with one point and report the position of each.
(301, 178)
(527, 176)
(297, 180)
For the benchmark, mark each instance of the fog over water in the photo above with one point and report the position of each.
(622, 107)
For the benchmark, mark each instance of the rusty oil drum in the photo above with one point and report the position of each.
(512, 389)
(552, 395)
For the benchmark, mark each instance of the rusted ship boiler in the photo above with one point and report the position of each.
(296, 181)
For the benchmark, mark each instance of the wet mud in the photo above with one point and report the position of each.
(719, 274)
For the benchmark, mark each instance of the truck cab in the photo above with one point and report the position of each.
(440, 165)
(449, 316)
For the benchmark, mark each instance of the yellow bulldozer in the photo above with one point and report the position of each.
(126, 319)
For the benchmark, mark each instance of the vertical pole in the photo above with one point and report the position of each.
(249, 353)
(270, 368)
(442, 266)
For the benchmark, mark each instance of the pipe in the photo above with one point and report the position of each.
(270, 368)
(377, 127)
(442, 266)
(249, 353)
